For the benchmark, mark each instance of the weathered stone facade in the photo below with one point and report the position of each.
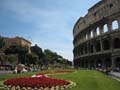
(16, 41)
(97, 36)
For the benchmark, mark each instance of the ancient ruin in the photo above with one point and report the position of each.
(97, 36)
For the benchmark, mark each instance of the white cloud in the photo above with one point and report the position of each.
(51, 29)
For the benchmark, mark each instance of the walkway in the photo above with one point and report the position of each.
(5, 72)
(115, 75)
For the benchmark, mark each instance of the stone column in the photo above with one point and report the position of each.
(84, 38)
(103, 63)
(88, 48)
(111, 44)
(94, 33)
(109, 26)
(95, 64)
(83, 50)
(94, 50)
(113, 63)
(101, 29)
(89, 35)
(88, 64)
(85, 63)
(101, 45)
(80, 64)
(118, 22)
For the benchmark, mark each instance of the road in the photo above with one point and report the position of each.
(5, 72)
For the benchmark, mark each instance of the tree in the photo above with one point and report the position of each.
(2, 42)
(2, 58)
(49, 56)
(20, 50)
(11, 58)
(31, 59)
(38, 51)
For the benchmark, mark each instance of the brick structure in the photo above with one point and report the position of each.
(97, 36)
(17, 41)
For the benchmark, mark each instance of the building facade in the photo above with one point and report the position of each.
(4, 64)
(17, 41)
(97, 36)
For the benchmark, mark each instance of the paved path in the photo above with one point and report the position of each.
(5, 72)
(115, 75)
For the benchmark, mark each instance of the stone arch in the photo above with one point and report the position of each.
(91, 48)
(115, 25)
(86, 63)
(76, 63)
(91, 34)
(81, 51)
(107, 62)
(86, 36)
(92, 64)
(98, 31)
(97, 46)
(117, 62)
(105, 28)
(81, 63)
(99, 63)
(106, 44)
(116, 43)
(85, 48)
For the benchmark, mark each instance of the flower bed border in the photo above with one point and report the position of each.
(57, 87)
(71, 85)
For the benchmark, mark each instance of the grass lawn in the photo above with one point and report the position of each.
(90, 80)
(85, 80)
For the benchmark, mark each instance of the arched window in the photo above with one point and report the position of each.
(116, 43)
(98, 31)
(86, 37)
(91, 48)
(105, 28)
(115, 25)
(107, 62)
(91, 34)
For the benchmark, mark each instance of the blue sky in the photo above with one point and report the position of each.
(48, 23)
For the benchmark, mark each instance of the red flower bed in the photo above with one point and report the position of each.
(36, 82)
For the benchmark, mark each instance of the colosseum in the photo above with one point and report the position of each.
(97, 36)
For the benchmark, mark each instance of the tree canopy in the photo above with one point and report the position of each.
(2, 42)
(37, 56)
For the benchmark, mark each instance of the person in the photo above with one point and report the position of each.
(18, 70)
(15, 71)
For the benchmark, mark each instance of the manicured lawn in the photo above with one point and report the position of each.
(27, 74)
(90, 80)
(85, 80)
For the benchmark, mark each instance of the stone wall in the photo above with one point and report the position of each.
(97, 36)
